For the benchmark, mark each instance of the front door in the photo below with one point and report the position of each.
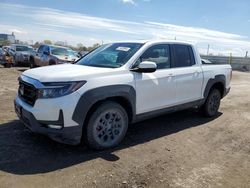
(155, 90)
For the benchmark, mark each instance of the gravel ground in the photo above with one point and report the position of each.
(182, 149)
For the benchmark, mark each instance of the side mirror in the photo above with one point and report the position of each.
(46, 53)
(146, 66)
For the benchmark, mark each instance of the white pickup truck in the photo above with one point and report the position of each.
(115, 85)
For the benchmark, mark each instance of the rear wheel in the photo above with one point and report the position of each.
(107, 126)
(212, 103)
(8, 65)
(52, 62)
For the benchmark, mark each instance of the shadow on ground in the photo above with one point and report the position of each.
(23, 152)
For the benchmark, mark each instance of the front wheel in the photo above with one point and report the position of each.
(212, 103)
(32, 65)
(15, 63)
(8, 65)
(107, 126)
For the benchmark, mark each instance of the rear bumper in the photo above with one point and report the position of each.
(67, 135)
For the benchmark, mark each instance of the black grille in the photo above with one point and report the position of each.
(27, 92)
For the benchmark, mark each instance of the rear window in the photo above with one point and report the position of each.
(59, 51)
(184, 56)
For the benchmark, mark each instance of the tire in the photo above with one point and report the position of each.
(51, 62)
(15, 63)
(8, 65)
(32, 64)
(212, 103)
(107, 126)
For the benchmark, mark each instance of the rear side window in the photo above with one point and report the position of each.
(183, 55)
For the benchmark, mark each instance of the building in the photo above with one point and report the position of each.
(8, 37)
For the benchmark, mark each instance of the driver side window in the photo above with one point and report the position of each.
(40, 50)
(160, 54)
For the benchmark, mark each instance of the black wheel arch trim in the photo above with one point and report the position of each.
(93, 96)
(221, 79)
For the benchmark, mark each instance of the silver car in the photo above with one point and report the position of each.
(21, 54)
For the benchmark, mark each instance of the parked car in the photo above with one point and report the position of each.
(6, 59)
(205, 61)
(52, 55)
(117, 84)
(21, 54)
(83, 53)
(75, 54)
(6, 48)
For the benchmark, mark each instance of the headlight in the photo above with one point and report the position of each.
(59, 89)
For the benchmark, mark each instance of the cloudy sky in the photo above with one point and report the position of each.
(224, 24)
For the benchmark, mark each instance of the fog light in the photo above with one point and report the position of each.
(55, 126)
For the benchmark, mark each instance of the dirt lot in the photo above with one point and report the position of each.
(177, 150)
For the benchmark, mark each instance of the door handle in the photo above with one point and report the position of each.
(169, 75)
(196, 73)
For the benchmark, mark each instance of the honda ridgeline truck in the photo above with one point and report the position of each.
(117, 84)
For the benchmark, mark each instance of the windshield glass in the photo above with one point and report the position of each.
(59, 51)
(30, 49)
(110, 55)
(22, 48)
(71, 53)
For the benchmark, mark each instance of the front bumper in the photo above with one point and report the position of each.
(68, 135)
(23, 59)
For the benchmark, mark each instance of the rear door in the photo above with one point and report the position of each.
(188, 74)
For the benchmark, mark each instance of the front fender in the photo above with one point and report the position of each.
(91, 97)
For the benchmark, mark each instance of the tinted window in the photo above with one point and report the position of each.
(158, 54)
(59, 51)
(183, 55)
(46, 49)
(40, 50)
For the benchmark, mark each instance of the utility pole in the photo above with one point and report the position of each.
(230, 58)
(246, 54)
(208, 46)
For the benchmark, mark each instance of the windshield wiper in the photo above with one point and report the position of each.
(98, 65)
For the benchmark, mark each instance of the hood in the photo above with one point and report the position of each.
(66, 58)
(23, 52)
(66, 72)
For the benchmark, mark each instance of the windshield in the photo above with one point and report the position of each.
(72, 53)
(30, 49)
(110, 55)
(59, 51)
(22, 48)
